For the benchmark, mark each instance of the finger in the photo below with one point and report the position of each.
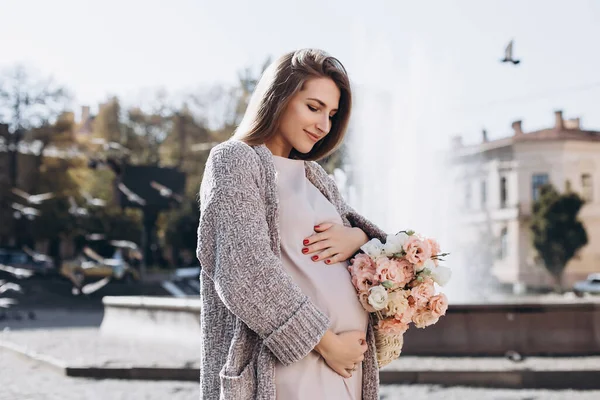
(323, 226)
(343, 372)
(315, 238)
(334, 259)
(316, 247)
(322, 255)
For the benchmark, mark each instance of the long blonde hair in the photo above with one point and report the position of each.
(279, 83)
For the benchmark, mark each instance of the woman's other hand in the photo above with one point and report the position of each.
(343, 352)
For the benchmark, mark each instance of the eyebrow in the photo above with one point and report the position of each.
(320, 102)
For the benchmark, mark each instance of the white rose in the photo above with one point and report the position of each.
(373, 248)
(441, 275)
(394, 243)
(378, 297)
(428, 265)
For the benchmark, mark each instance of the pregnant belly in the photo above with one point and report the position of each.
(331, 289)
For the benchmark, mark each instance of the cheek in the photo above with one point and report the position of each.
(296, 119)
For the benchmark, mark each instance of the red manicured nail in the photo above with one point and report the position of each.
(305, 250)
(327, 261)
(317, 226)
(314, 258)
(305, 242)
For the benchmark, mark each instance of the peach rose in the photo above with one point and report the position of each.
(362, 280)
(435, 249)
(397, 302)
(362, 269)
(387, 270)
(424, 318)
(408, 272)
(392, 326)
(423, 292)
(361, 262)
(439, 304)
(417, 251)
(363, 297)
(406, 316)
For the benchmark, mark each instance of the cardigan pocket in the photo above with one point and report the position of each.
(239, 387)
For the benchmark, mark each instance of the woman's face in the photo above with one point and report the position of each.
(307, 118)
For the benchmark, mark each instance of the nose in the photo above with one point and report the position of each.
(324, 124)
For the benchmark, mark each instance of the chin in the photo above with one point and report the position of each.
(304, 148)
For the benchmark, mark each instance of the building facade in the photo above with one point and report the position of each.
(499, 180)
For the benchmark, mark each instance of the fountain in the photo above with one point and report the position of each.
(399, 177)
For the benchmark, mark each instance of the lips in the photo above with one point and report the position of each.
(315, 138)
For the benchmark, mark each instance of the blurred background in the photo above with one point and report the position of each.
(473, 122)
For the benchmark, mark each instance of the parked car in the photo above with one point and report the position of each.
(590, 285)
(89, 266)
(27, 259)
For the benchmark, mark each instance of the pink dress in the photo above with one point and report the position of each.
(301, 207)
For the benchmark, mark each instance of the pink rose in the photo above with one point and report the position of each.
(387, 270)
(438, 304)
(408, 272)
(363, 297)
(423, 292)
(423, 318)
(392, 326)
(435, 249)
(397, 302)
(361, 262)
(362, 269)
(417, 250)
(406, 316)
(363, 280)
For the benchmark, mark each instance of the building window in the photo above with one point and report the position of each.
(537, 181)
(503, 192)
(503, 249)
(468, 195)
(483, 194)
(587, 187)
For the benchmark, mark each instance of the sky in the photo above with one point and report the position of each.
(439, 58)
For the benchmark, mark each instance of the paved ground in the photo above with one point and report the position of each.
(432, 392)
(72, 334)
(22, 379)
(87, 347)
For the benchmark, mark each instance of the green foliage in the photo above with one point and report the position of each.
(557, 233)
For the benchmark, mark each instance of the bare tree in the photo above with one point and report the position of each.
(28, 102)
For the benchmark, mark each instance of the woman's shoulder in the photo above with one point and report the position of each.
(233, 150)
(233, 155)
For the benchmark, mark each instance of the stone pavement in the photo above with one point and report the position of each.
(71, 337)
(23, 379)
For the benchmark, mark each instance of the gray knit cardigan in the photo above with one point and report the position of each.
(253, 314)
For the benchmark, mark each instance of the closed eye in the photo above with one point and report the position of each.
(311, 108)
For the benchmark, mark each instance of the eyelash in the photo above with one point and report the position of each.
(314, 110)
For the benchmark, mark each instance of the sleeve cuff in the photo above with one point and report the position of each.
(299, 335)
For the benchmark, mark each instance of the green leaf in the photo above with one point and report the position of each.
(387, 284)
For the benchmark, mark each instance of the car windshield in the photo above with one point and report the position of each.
(595, 281)
(17, 258)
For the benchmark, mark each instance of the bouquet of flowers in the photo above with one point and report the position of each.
(395, 282)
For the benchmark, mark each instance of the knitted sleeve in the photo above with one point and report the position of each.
(234, 251)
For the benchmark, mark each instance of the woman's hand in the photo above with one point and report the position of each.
(343, 352)
(334, 243)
